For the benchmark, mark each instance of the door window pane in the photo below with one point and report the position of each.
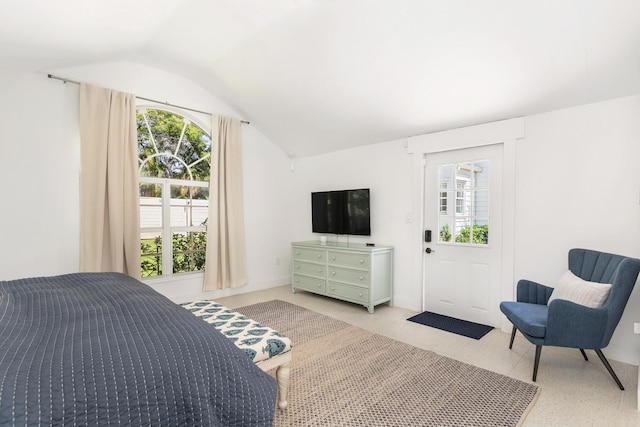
(464, 185)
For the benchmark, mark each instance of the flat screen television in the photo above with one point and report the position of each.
(341, 212)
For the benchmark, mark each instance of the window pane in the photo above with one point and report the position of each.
(172, 148)
(189, 251)
(481, 203)
(462, 231)
(150, 206)
(480, 232)
(189, 206)
(464, 202)
(446, 229)
(151, 254)
(481, 169)
(200, 214)
(443, 203)
(445, 173)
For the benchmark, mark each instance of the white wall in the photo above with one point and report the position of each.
(39, 137)
(578, 185)
(386, 170)
(39, 221)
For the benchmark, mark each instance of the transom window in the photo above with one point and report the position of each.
(464, 185)
(175, 167)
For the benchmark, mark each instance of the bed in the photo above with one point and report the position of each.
(103, 348)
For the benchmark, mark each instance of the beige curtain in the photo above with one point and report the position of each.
(226, 258)
(109, 193)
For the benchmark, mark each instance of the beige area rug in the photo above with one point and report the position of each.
(342, 375)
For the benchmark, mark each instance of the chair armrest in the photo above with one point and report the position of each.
(574, 325)
(532, 292)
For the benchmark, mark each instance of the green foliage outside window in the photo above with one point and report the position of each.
(480, 235)
(172, 156)
(445, 234)
(151, 257)
(189, 253)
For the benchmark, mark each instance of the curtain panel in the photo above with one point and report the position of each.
(226, 247)
(109, 189)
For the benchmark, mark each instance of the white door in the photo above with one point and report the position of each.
(463, 207)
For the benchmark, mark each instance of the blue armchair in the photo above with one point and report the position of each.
(563, 323)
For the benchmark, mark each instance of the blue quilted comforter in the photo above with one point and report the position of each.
(105, 349)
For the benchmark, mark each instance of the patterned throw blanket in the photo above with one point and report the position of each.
(259, 342)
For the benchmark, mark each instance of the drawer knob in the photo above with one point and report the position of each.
(319, 270)
(297, 267)
(297, 280)
(361, 261)
(297, 252)
(333, 288)
(333, 273)
(360, 293)
(319, 285)
(333, 257)
(361, 277)
(319, 255)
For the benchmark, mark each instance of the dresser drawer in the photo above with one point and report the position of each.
(308, 283)
(306, 254)
(357, 277)
(311, 269)
(358, 260)
(352, 293)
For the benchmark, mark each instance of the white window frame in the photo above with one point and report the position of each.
(166, 231)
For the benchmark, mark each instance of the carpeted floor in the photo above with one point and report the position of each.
(342, 375)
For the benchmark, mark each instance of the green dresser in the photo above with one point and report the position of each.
(351, 272)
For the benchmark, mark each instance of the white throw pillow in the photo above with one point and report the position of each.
(571, 287)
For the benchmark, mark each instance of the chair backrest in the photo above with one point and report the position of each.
(620, 271)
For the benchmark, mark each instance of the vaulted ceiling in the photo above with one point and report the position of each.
(316, 76)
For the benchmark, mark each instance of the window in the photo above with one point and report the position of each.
(175, 167)
(443, 198)
(466, 186)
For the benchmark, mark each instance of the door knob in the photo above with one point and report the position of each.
(429, 250)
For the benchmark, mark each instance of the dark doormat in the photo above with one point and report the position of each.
(451, 324)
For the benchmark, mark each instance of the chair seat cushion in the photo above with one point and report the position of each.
(530, 319)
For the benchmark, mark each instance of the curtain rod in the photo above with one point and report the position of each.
(65, 80)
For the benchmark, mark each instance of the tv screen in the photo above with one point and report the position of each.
(341, 212)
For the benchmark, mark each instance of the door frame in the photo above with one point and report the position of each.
(505, 132)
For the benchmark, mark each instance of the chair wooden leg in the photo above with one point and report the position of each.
(584, 354)
(536, 362)
(609, 368)
(513, 335)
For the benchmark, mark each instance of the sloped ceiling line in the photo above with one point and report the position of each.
(316, 76)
